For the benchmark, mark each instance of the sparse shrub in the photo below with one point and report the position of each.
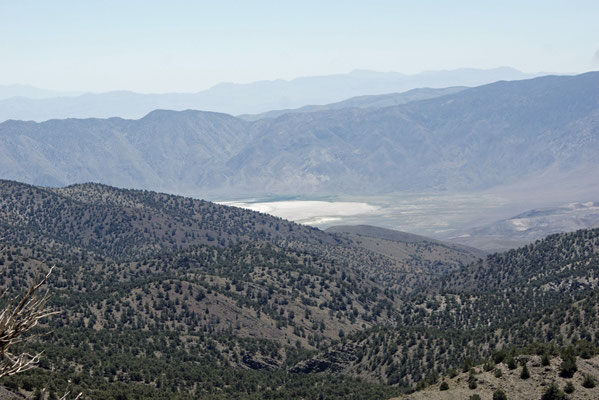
(568, 366)
(499, 356)
(569, 388)
(444, 386)
(474, 397)
(585, 349)
(452, 373)
(498, 373)
(468, 364)
(545, 360)
(553, 392)
(472, 383)
(589, 382)
(499, 395)
(433, 378)
(524, 374)
(511, 363)
(489, 366)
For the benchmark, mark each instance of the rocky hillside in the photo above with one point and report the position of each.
(560, 261)
(415, 260)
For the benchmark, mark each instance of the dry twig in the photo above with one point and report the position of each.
(16, 319)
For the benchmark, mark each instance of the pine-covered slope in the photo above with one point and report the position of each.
(124, 223)
(219, 320)
(546, 292)
(559, 260)
(219, 289)
(269, 306)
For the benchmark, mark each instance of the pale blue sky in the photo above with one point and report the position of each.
(160, 46)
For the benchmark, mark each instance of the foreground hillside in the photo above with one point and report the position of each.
(416, 259)
(225, 294)
(168, 297)
(102, 223)
(547, 292)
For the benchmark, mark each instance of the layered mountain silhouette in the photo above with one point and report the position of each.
(477, 138)
(30, 92)
(27, 103)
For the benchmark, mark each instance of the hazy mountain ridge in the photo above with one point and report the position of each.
(250, 98)
(157, 151)
(530, 226)
(477, 138)
(398, 236)
(367, 101)
(30, 92)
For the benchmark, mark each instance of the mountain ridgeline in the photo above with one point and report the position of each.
(164, 296)
(477, 138)
(28, 103)
(119, 223)
(366, 101)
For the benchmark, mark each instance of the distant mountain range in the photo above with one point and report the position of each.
(8, 91)
(478, 138)
(251, 98)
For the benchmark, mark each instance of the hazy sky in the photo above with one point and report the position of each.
(159, 46)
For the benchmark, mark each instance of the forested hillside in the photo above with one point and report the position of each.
(167, 297)
(219, 286)
(546, 292)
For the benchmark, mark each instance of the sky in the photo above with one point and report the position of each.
(187, 46)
